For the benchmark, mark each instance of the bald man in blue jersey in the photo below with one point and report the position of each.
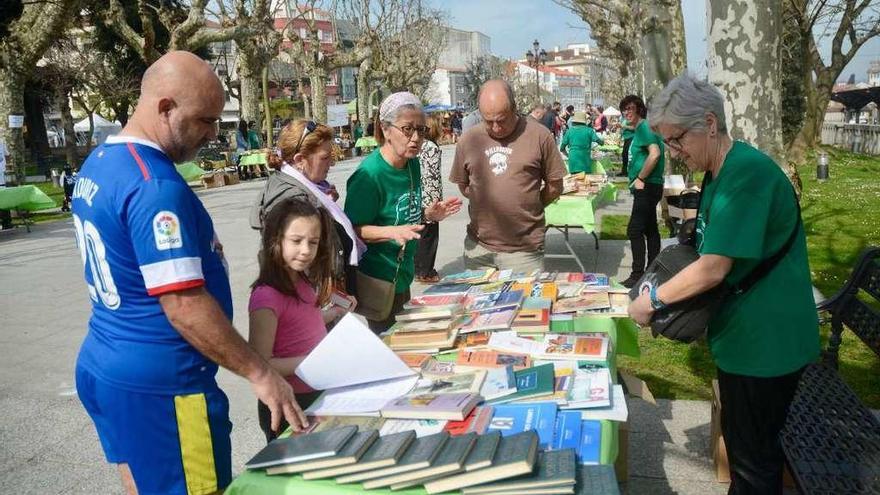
(161, 301)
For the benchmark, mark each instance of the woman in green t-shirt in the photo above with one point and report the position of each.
(762, 338)
(578, 144)
(384, 200)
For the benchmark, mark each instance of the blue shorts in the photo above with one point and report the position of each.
(173, 444)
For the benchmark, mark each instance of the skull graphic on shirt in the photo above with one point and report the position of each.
(498, 162)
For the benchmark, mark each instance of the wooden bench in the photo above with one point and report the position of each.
(830, 438)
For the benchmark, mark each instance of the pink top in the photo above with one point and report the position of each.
(300, 323)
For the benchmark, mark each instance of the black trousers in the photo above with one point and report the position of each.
(426, 254)
(265, 415)
(753, 411)
(642, 231)
(625, 156)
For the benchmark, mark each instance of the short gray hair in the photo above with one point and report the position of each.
(391, 116)
(685, 102)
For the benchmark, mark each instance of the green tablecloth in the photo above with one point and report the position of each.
(366, 142)
(253, 159)
(624, 340)
(190, 171)
(578, 211)
(27, 198)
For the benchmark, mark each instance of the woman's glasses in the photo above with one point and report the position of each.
(309, 128)
(409, 130)
(675, 142)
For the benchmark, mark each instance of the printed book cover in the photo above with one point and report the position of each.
(510, 419)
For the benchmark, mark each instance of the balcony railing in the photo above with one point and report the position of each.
(858, 138)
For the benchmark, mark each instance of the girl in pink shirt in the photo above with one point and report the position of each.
(295, 282)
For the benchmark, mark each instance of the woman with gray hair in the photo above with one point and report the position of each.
(760, 338)
(384, 201)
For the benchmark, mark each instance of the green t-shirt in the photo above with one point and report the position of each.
(379, 194)
(254, 140)
(772, 329)
(579, 139)
(638, 153)
(625, 133)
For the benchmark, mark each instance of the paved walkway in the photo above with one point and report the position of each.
(48, 444)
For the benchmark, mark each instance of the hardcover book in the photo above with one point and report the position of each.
(302, 448)
(450, 459)
(515, 456)
(454, 407)
(419, 455)
(383, 452)
(511, 419)
(349, 454)
(554, 469)
(324, 423)
(537, 381)
(483, 452)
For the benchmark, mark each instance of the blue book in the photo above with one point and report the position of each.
(591, 441)
(510, 299)
(567, 433)
(510, 419)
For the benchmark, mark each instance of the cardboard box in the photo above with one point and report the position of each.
(681, 213)
(719, 450)
(216, 179)
(230, 178)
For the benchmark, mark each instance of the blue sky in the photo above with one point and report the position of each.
(514, 24)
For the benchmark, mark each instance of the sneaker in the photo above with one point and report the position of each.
(632, 280)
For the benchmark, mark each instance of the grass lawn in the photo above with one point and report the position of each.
(57, 194)
(840, 217)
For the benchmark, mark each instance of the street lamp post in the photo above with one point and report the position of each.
(536, 57)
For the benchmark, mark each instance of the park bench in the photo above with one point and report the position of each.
(830, 438)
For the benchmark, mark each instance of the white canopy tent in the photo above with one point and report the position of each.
(103, 129)
(611, 112)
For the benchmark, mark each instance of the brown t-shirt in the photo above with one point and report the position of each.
(505, 178)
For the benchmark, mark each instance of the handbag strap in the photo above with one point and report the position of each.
(402, 251)
(768, 264)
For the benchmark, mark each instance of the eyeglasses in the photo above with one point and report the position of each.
(310, 127)
(409, 130)
(675, 142)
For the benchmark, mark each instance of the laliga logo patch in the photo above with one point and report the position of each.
(166, 230)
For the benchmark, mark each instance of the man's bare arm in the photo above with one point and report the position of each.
(551, 191)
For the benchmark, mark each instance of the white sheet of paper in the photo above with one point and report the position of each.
(361, 400)
(350, 354)
(617, 412)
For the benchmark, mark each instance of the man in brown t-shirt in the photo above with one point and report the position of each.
(509, 169)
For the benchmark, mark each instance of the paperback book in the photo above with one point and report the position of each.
(510, 419)
(454, 407)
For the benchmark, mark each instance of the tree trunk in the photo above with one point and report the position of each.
(12, 103)
(37, 140)
(317, 81)
(817, 95)
(363, 94)
(249, 73)
(662, 45)
(744, 43)
(62, 102)
(267, 110)
(91, 132)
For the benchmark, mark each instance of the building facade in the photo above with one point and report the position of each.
(448, 85)
(579, 59)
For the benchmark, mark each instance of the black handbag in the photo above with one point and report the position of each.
(688, 320)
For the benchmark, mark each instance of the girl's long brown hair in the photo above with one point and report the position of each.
(274, 272)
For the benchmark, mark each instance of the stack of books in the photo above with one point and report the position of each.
(488, 462)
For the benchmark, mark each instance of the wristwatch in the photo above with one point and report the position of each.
(656, 303)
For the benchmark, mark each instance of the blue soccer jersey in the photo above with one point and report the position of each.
(142, 233)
